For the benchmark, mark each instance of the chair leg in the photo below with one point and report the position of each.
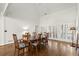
(28, 51)
(23, 51)
(36, 50)
(18, 52)
(15, 52)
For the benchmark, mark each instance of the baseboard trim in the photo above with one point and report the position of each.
(6, 43)
(61, 41)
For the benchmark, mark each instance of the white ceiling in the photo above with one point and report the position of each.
(54, 7)
(21, 10)
(2, 5)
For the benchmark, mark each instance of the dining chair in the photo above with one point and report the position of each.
(45, 39)
(18, 45)
(34, 44)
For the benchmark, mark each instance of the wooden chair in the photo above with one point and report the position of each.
(42, 40)
(34, 44)
(18, 45)
(46, 38)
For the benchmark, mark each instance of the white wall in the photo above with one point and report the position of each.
(29, 16)
(18, 16)
(77, 21)
(65, 16)
(1, 30)
(16, 26)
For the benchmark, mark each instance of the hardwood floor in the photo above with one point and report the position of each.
(54, 48)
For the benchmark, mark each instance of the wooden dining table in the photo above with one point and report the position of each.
(31, 44)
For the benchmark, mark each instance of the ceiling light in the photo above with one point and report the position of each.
(25, 28)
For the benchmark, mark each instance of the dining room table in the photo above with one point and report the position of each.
(32, 43)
